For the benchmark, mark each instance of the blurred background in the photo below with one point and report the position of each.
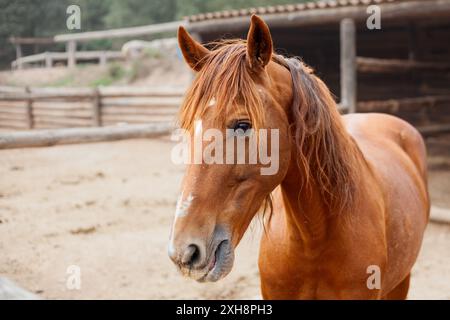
(105, 208)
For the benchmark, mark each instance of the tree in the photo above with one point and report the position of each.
(139, 12)
(28, 18)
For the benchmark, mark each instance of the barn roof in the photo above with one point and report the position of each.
(286, 8)
(320, 13)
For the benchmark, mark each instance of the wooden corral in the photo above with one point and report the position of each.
(46, 108)
(402, 68)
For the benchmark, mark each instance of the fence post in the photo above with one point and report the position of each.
(348, 65)
(103, 59)
(29, 109)
(71, 47)
(96, 109)
(19, 56)
(48, 60)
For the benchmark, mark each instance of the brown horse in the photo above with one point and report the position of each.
(350, 199)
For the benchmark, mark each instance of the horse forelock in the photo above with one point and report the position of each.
(226, 80)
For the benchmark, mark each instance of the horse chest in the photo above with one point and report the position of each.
(285, 280)
(291, 271)
(287, 275)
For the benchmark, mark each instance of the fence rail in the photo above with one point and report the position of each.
(50, 108)
(51, 137)
(48, 58)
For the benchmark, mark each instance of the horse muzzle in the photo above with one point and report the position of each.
(197, 262)
(221, 263)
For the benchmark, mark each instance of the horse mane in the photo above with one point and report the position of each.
(327, 155)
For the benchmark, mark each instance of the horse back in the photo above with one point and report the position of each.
(395, 137)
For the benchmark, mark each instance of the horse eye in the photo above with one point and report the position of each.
(242, 126)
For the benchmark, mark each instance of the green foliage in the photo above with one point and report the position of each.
(115, 73)
(63, 82)
(152, 53)
(28, 18)
(139, 12)
(92, 13)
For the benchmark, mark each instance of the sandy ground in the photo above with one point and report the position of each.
(107, 208)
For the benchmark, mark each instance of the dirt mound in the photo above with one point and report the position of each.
(146, 71)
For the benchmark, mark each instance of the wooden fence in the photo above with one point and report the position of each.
(51, 137)
(49, 58)
(71, 56)
(49, 108)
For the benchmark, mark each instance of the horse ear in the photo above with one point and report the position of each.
(193, 52)
(259, 43)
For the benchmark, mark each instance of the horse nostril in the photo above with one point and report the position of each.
(191, 255)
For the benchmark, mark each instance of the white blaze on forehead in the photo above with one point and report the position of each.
(212, 102)
(183, 205)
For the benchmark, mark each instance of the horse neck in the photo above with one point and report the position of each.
(309, 218)
(306, 214)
